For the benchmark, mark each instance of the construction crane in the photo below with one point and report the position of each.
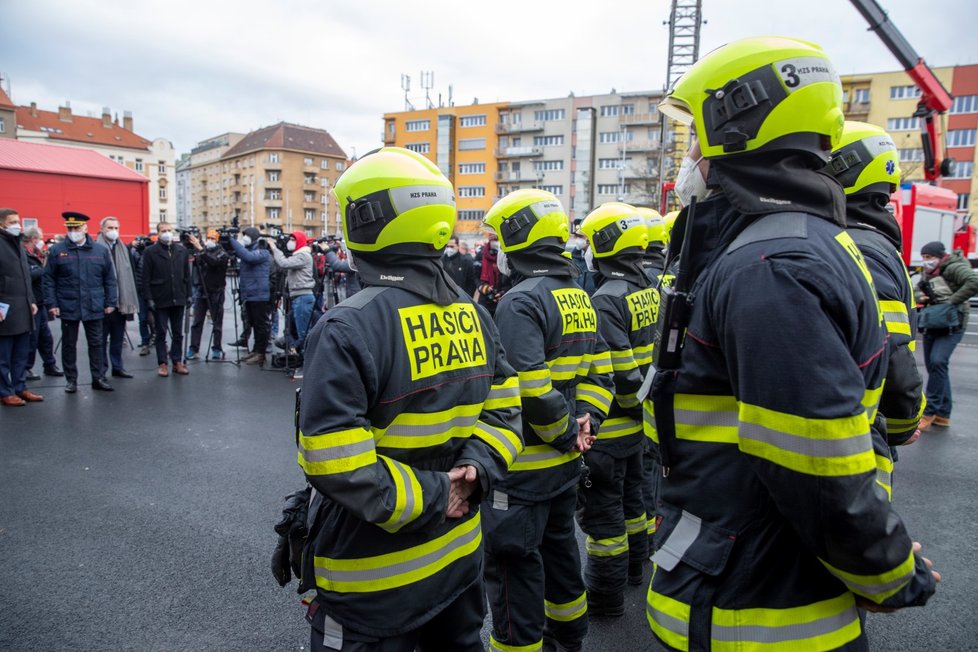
(685, 20)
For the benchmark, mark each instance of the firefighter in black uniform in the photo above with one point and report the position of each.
(867, 165)
(549, 329)
(773, 529)
(409, 416)
(627, 304)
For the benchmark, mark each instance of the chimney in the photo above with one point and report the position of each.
(64, 112)
(33, 109)
(127, 120)
(106, 117)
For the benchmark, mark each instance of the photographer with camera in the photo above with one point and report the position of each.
(256, 263)
(300, 282)
(335, 264)
(210, 279)
(166, 283)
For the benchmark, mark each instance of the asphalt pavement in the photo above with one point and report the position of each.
(142, 518)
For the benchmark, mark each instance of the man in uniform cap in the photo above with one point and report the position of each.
(80, 286)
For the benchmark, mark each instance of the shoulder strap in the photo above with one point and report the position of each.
(361, 299)
(615, 288)
(874, 241)
(526, 284)
(772, 227)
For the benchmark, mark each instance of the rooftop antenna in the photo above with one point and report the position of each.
(451, 89)
(427, 83)
(406, 87)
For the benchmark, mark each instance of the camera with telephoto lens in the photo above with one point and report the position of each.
(140, 242)
(281, 239)
(185, 233)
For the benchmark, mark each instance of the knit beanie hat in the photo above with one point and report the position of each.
(935, 249)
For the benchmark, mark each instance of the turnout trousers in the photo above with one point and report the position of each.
(613, 517)
(69, 350)
(457, 627)
(533, 572)
(650, 489)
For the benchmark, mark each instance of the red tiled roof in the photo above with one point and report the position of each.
(81, 129)
(5, 102)
(52, 159)
(285, 135)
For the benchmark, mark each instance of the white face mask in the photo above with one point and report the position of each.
(502, 262)
(352, 262)
(450, 251)
(14, 230)
(166, 237)
(246, 240)
(209, 244)
(580, 243)
(39, 246)
(112, 235)
(690, 182)
(589, 260)
(931, 264)
(290, 245)
(76, 236)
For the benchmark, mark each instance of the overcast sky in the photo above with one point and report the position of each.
(189, 70)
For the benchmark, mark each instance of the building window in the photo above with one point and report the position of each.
(273, 157)
(548, 114)
(273, 194)
(548, 166)
(548, 141)
(963, 170)
(615, 136)
(554, 190)
(964, 200)
(472, 191)
(467, 144)
(417, 125)
(161, 168)
(3, 128)
(309, 195)
(611, 189)
(273, 213)
(609, 110)
(420, 148)
(340, 166)
(325, 164)
(139, 165)
(162, 192)
(471, 215)
(308, 161)
(471, 168)
(909, 91)
(310, 214)
(902, 124)
(609, 163)
(472, 121)
(163, 215)
(272, 175)
(965, 104)
(961, 138)
(862, 96)
(911, 155)
(310, 178)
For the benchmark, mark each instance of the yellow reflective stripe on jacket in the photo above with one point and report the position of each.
(429, 429)
(542, 456)
(668, 618)
(550, 431)
(611, 547)
(567, 367)
(534, 383)
(565, 612)
(596, 395)
(876, 587)
(903, 426)
(341, 451)
(496, 646)
(506, 442)
(825, 447)
(707, 418)
(622, 360)
(871, 401)
(635, 525)
(643, 354)
(504, 395)
(401, 568)
(619, 427)
(648, 421)
(652, 525)
(409, 499)
(884, 474)
(896, 317)
(825, 625)
(627, 400)
(600, 364)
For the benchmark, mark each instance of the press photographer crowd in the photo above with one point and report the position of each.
(174, 283)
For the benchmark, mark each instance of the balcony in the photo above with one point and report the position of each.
(519, 152)
(639, 146)
(639, 119)
(523, 176)
(856, 109)
(518, 127)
